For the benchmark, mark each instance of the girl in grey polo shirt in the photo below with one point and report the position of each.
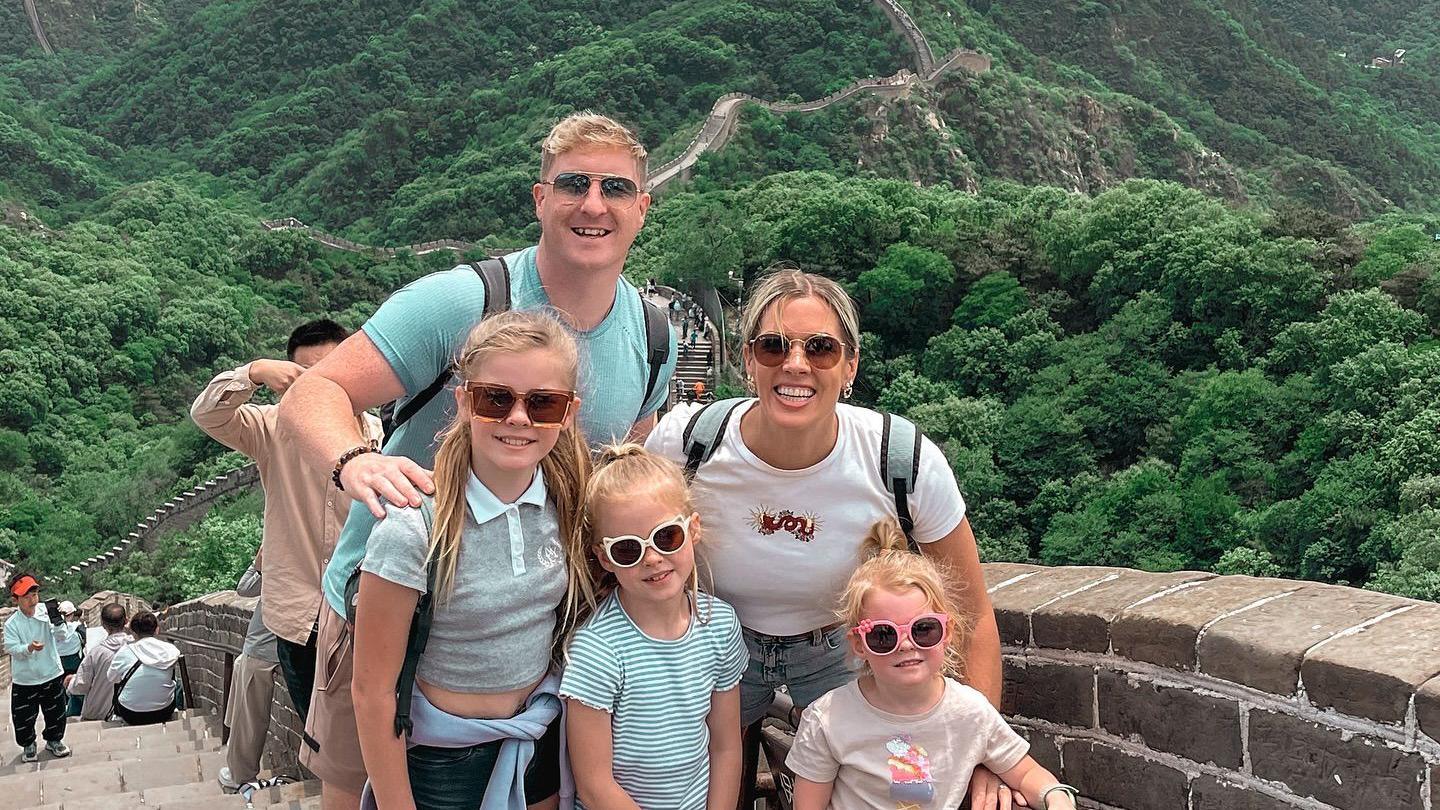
(508, 479)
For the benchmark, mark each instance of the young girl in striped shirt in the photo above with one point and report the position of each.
(653, 712)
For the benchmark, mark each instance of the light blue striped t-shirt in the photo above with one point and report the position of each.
(658, 693)
(420, 331)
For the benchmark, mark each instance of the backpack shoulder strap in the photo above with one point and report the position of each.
(657, 343)
(704, 431)
(899, 466)
(419, 631)
(120, 686)
(495, 275)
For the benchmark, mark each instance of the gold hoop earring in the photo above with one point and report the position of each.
(847, 391)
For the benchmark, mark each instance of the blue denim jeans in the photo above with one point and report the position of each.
(808, 665)
(456, 778)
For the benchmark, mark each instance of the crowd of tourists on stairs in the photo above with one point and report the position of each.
(128, 677)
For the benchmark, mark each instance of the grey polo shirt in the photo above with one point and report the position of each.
(493, 633)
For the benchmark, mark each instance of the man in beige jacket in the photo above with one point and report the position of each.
(303, 510)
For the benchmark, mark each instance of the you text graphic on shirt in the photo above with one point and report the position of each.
(769, 521)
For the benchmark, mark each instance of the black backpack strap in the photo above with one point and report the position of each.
(899, 467)
(495, 275)
(419, 632)
(120, 686)
(657, 343)
(704, 431)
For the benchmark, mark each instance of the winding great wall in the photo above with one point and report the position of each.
(719, 126)
(38, 29)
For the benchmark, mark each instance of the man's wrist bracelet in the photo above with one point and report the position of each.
(1058, 787)
(358, 450)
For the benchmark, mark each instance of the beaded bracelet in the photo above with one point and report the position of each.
(1063, 788)
(358, 450)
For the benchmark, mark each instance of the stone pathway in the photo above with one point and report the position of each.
(171, 766)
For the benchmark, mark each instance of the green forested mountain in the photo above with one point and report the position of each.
(1162, 280)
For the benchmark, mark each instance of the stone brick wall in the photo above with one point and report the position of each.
(221, 619)
(1183, 691)
(1190, 690)
(177, 514)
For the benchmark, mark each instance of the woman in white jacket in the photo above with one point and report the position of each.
(143, 672)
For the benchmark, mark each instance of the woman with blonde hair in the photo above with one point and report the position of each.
(495, 551)
(791, 487)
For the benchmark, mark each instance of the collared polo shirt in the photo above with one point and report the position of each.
(492, 632)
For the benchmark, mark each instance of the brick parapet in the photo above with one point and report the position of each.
(1195, 690)
(222, 619)
(176, 514)
(1182, 690)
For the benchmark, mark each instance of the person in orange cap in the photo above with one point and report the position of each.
(38, 682)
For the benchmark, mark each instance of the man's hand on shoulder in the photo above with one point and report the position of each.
(278, 375)
(371, 477)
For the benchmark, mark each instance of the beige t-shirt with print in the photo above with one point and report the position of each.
(901, 762)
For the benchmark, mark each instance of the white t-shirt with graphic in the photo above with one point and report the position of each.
(877, 759)
(781, 544)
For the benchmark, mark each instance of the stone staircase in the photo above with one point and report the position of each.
(170, 766)
(692, 365)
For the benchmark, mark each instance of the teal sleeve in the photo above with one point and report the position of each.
(421, 328)
(733, 658)
(593, 673)
(13, 643)
(662, 383)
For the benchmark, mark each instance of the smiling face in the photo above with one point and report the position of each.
(589, 233)
(515, 445)
(908, 666)
(794, 395)
(657, 578)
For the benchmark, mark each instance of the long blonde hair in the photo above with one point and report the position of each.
(623, 472)
(566, 467)
(888, 564)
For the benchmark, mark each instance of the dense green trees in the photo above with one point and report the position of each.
(111, 327)
(1146, 378)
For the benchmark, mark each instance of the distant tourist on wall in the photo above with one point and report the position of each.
(92, 685)
(72, 649)
(303, 511)
(32, 637)
(143, 672)
(591, 203)
(252, 693)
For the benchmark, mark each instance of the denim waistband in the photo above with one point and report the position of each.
(814, 637)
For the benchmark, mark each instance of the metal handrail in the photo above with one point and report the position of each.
(229, 653)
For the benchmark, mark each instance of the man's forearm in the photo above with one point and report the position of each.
(317, 415)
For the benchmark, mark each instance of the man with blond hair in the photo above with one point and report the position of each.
(590, 201)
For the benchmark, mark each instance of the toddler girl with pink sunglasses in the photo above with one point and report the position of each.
(905, 735)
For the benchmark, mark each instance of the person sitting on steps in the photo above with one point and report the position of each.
(143, 672)
(92, 682)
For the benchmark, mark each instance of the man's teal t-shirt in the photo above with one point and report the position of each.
(420, 331)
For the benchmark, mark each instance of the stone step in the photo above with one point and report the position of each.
(89, 756)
